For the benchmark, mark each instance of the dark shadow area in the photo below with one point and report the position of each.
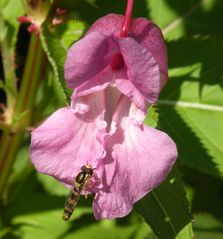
(32, 198)
(87, 12)
(82, 222)
(11, 235)
(209, 230)
(166, 209)
(203, 18)
(139, 9)
(181, 6)
(21, 49)
(208, 193)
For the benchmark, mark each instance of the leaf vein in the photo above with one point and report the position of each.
(164, 211)
(184, 104)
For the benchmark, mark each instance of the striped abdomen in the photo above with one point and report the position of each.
(70, 203)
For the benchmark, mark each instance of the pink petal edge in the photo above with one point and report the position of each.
(144, 157)
(66, 141)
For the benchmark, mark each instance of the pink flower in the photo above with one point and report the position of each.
(115, 79)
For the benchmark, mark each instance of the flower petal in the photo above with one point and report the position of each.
(144, 156)
(150, 36)
(97, 83)
(143, 85)
(110, 24)
(143, 31)
(87, 58)
(66, 141)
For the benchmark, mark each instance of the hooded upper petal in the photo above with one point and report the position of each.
(143, 155)
(143, 52)
(143, 85)
(150, 36)
(88, 57)
(142, 30)
(108, 25)
(67, 140)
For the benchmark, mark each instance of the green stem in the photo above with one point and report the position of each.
(11, 140)
(8, 65)
(31, 77)
(9, 150)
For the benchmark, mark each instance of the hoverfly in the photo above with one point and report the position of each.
(80, 183)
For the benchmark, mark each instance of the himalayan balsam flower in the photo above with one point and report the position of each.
(114, 79)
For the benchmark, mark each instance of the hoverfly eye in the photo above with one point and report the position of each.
(87, 170)
(83, 168)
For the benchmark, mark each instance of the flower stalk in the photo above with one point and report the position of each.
(8, 64)
(127, 20)
(118, 62)
(23, 111)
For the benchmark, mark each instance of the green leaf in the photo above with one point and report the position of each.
(152, 117)
(56, 42)
(9, 16)
(165, 13)
(196, 20)
(200, 196)
(52, 186)
(186, 232)
(206, 226)
(180, 18)
(191, 105)
(34, 213)
(56, 54)
(49, 86)
(166, 210)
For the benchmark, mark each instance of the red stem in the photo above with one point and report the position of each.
(117, 62)
(127, 21)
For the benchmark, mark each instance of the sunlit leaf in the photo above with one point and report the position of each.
(191, 105)
(152, 117)
(182, 18)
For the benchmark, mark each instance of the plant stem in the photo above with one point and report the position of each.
(8, 65)
(12, 138)
(128, 16)
(117, 62)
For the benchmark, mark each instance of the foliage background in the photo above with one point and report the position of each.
(190, 110)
